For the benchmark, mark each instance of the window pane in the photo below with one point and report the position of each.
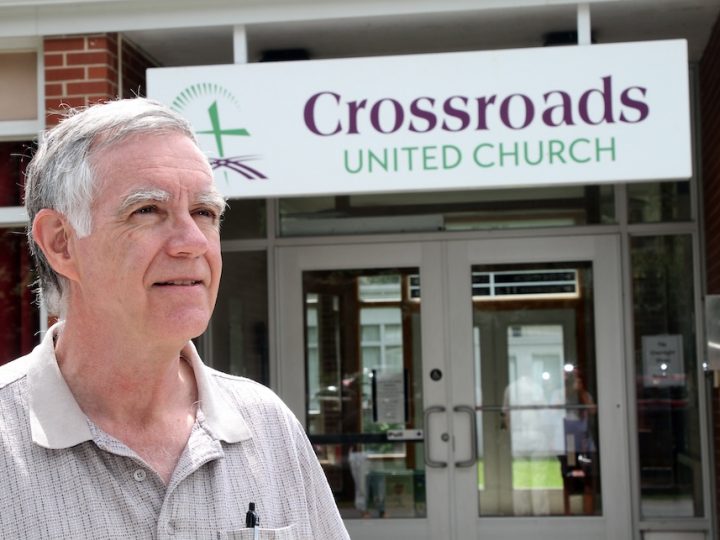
(667, 381)
(393, 333)
(371, 333)
(14, 157)
(536, 394)
(379, 288)
(244, 219)
(18, 94)
(361, 384)
(658, 201)
(371, 357)
(239, 324)
(447, 211)
(18, 312)
(393, 356)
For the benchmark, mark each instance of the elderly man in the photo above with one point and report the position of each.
(113, 427)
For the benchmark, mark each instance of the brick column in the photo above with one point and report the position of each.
(79, 71)
(710, 135)
(82, 70)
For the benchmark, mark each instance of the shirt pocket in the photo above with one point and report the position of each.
(284, 533)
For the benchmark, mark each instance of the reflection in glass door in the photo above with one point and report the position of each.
(536, 352)
(364, 388)
(536, 380)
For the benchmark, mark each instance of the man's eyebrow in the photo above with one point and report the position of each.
(143, 196)
(212, 198)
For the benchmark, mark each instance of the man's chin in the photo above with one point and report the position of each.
(183, 328)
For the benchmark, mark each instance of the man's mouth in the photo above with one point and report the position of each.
(179, 283)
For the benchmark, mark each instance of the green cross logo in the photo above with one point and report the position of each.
(218, 132)
(192, 102)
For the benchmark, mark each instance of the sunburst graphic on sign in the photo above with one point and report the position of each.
(202, 103)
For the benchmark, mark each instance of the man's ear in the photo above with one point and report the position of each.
(54, 235)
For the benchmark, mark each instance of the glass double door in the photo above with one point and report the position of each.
(462, 389)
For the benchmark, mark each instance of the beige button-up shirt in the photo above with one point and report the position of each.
(63, 477)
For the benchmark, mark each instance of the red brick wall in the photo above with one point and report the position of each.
(710, 134)
(81, 70)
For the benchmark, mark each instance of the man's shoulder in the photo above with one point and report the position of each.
(242, 385)
(14, 371)
(247, 393)
(14, 431)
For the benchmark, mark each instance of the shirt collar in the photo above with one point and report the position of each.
(56, 420)
(224, 421)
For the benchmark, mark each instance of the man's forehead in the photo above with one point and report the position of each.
(153, 154)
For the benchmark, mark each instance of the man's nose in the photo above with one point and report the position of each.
(186, 237)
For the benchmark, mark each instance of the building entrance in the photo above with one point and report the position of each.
(462, 389)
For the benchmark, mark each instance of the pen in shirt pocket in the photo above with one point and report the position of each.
(252, 521)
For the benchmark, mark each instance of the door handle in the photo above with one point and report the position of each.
(473, 436)
(430, 462)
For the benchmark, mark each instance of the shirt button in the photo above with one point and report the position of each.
(140, 475)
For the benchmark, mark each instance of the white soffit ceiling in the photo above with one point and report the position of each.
(187, 32)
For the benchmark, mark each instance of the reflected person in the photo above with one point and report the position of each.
(528, 418)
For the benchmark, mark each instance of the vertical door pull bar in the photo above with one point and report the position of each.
(430, 462)
(473, 436)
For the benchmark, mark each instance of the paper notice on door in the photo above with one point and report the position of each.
(663, 363)
(389, 396)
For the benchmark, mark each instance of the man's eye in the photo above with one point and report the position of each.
(150, 209)
(205, 212)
